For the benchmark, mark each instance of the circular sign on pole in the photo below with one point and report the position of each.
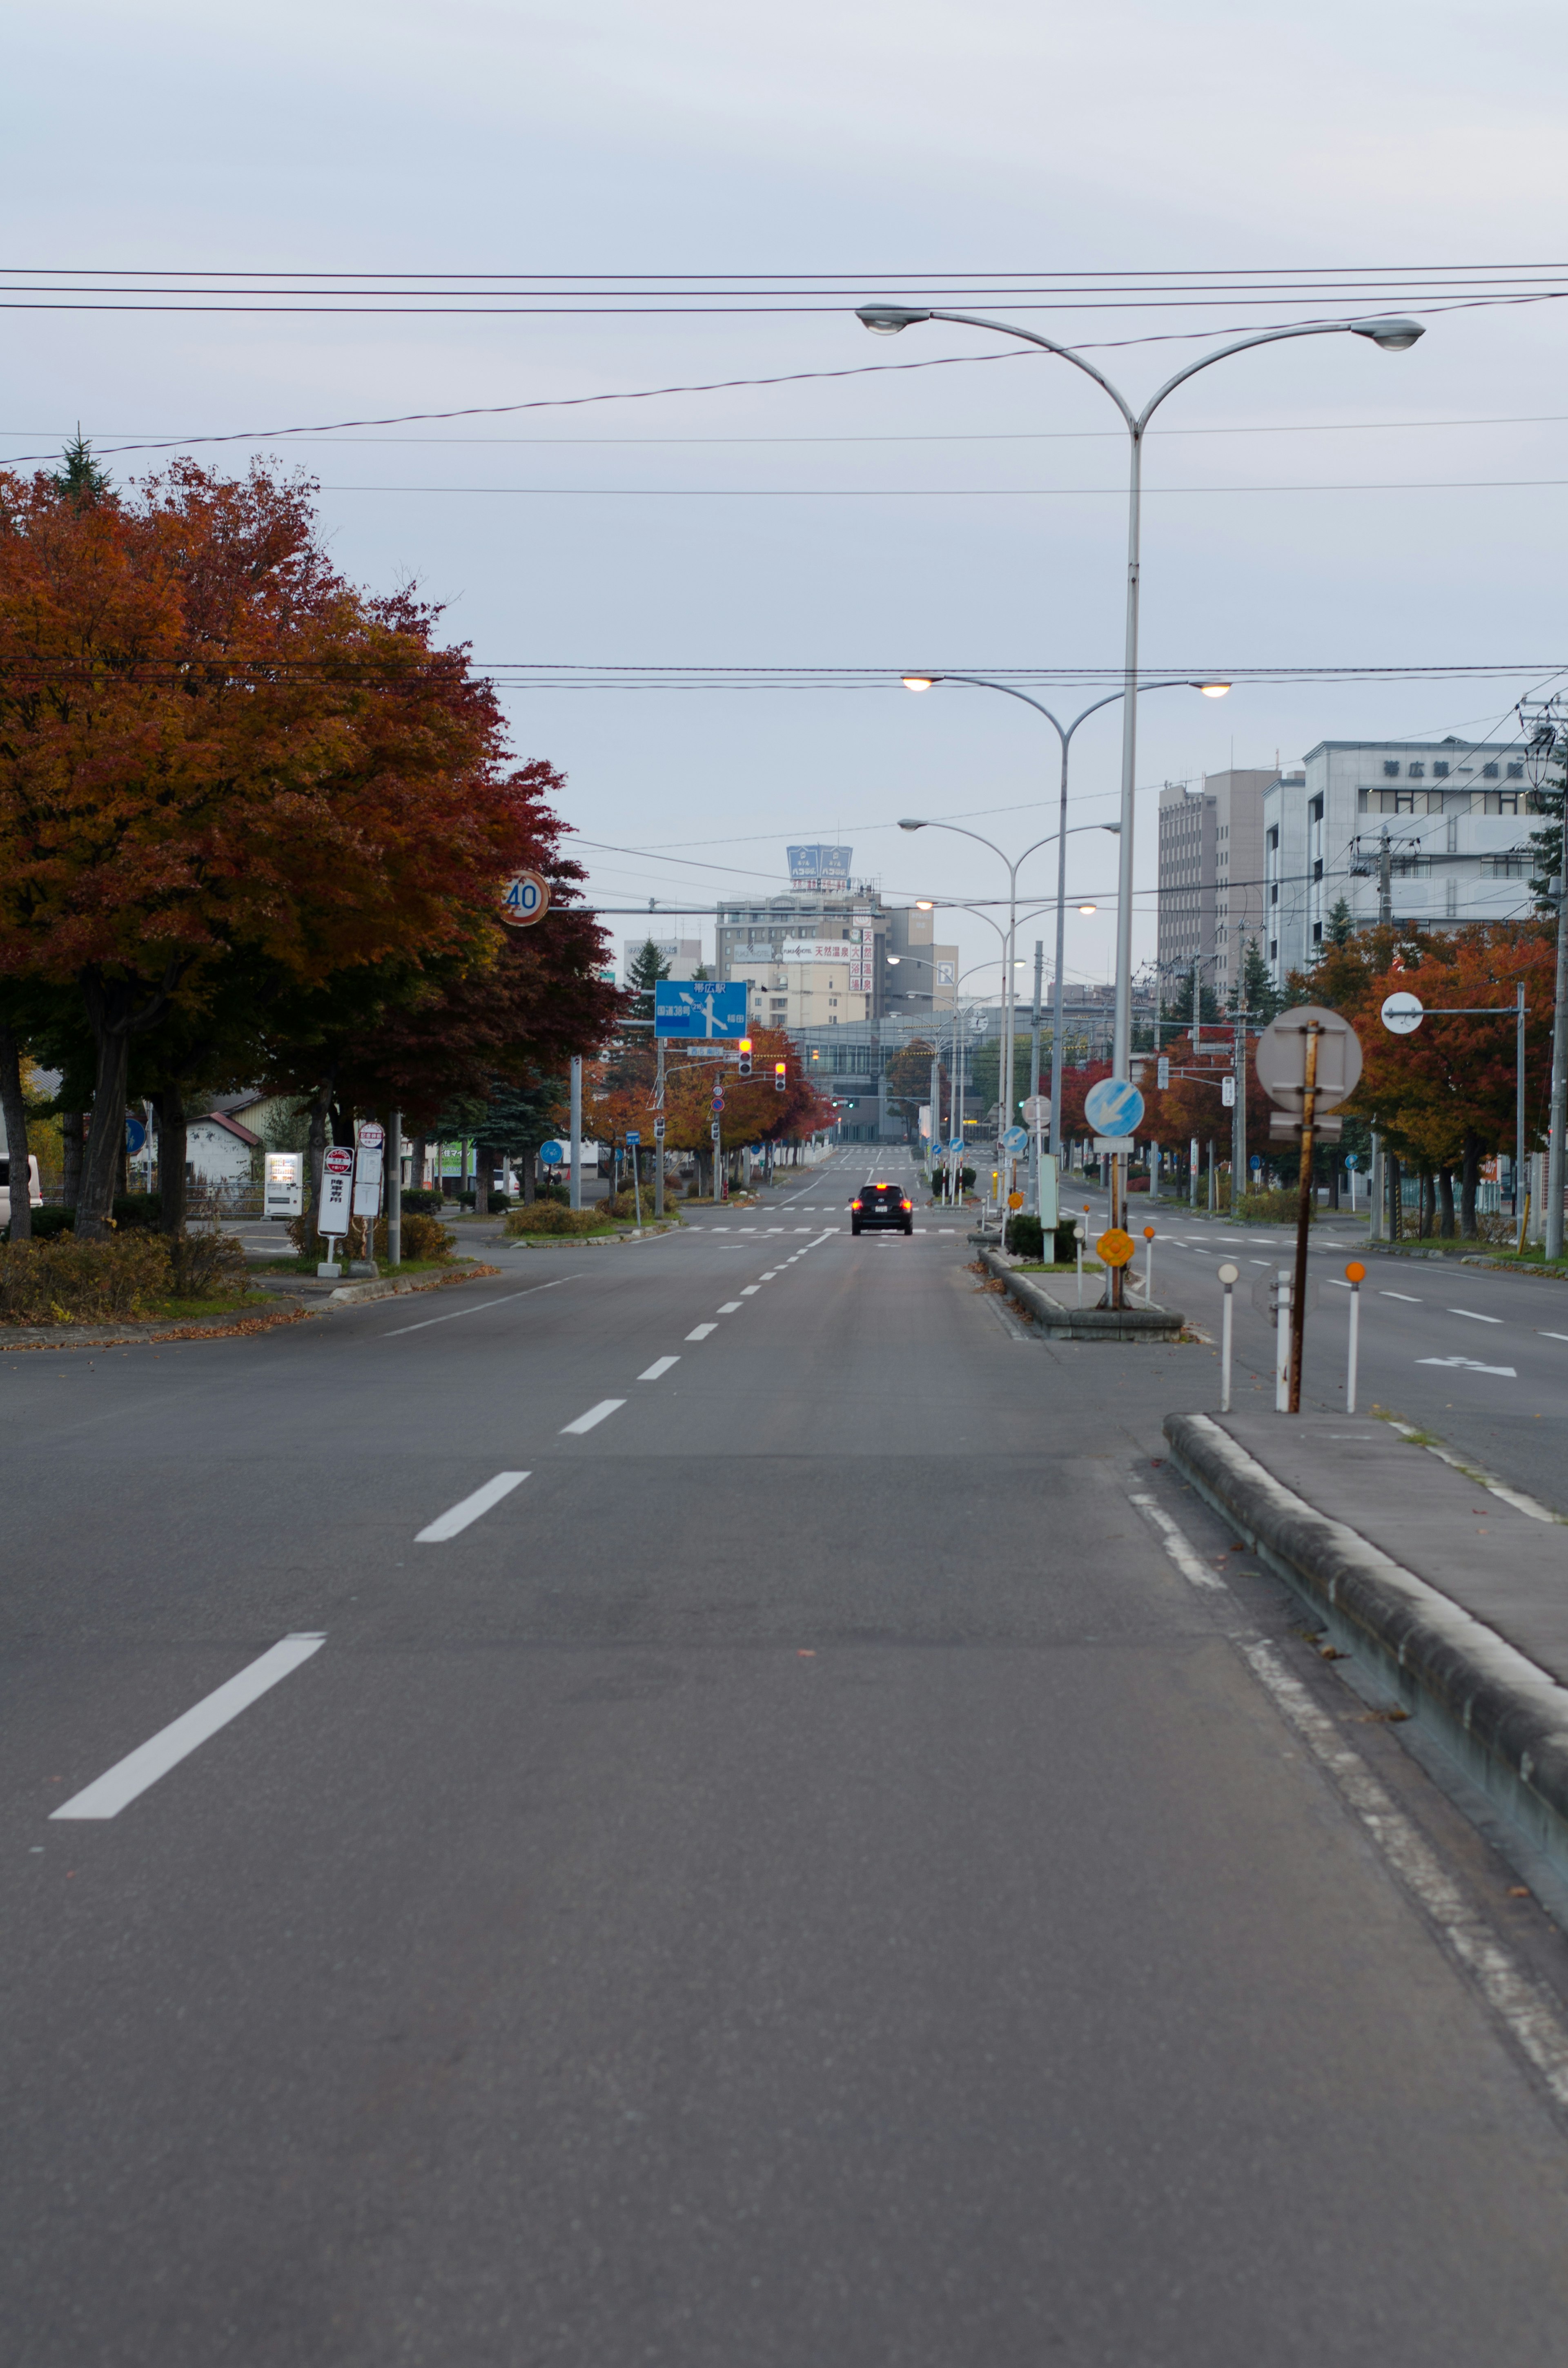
(525, 900)
(1037, 1110)
(1114, 1106)
(1016, 1139)
(1014, 1199)
(550, 1153)
(1116, 1247)
(1227, 1274)
(371, 1136)
(1282, 1058)
(1401, 1014)
(135, 1136)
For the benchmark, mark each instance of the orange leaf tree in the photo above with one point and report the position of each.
(210, 747)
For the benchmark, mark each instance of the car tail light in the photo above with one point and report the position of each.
(854, 1205)
(906, 1205)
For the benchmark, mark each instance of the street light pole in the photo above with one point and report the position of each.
(1392, 335)
(1063, 732)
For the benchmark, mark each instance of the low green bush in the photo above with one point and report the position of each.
(1274, 1207)
(498, 1203)
(144, 1208)
(550, 1217)
(1025, 1235)
(421, 1202)
(51, 1220)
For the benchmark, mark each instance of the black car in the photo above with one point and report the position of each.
(881, 1204)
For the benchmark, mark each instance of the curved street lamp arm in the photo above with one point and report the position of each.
(1238, 345)
(983, 682)
(1033, 337)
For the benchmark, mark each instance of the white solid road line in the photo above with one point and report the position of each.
(1549, 1336)
(660, 1366)
(701, 1331)
(469, 1508)
(553, 1284)
(594, 1414)
(730, 1307)
(1407, 1296)
(1184, 1556)
(120, 1784)
(1472, 1316)
(1527, 2011)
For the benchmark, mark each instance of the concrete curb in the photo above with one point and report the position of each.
(1504, 1717)
(353, 1294)
(1064, 1323)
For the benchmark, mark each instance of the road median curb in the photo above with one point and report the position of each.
(1063, 1323)
(1500, 1713)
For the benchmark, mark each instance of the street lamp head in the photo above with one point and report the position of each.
(1088, 908)
(924, 905)
(919, 681)
(1212, 690)
(893, 960)
(1114, 828)
(887, 320)
(1395, 335)
(911, 826)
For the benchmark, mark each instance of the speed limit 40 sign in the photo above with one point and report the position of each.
(525, 900)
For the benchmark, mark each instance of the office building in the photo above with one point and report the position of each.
(1211, 876)
(1453, 819)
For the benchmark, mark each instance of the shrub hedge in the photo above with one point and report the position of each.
(550, 1217)
(68, 1281)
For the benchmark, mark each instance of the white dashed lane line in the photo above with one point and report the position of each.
(121, 1783)
(730, 1307)
(701, 1331)
(660, 1366)
(595, 1416)
(469, 1508)
(1409, 1297)
(1473, 1316)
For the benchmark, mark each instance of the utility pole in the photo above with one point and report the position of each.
(1034, 1074)
(1239, 1115)
(1547, 744)
(659, 1125)
(1385, 880)
(576, 1189)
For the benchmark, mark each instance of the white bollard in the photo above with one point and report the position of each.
(1229, 1276)
(1079, 1243)
(1149, 1267)
(1355, 1275)
(1282, 1346)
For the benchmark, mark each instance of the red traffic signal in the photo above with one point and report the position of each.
(745, 1056)
(779, 1076)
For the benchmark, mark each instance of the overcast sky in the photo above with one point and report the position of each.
(1320, 504)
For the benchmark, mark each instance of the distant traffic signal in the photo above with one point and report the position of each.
(745, 1056)
(779, 1070)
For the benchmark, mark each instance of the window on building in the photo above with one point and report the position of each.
(1274, 956)
(1506, 867)
(1317, 939)
(1391, 769)
(1315, 811)
(1502, 802)
(1516, 772)
(1274, 892)
(1317, 868)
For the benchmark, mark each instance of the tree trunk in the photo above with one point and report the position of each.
(15, 1112)
(1396, 1199)
(106, 1133)
(1428, 1204)
(417, 1163)
(1469, 1176)
(170, 1103)
(1446, 1189)
(70, 1144)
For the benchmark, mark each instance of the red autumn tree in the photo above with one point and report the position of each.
(212, 747)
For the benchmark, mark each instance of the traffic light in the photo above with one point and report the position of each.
(745, 1056)
(778, 1069)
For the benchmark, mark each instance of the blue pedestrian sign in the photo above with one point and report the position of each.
(135, 1136)
(550, 1153)
(1114, 1106)
(1016, 1139)
(699, 1009)
(1255, 1162)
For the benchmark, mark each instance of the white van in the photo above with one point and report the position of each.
(35, 1194)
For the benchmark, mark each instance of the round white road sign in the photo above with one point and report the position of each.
(1401, 1014)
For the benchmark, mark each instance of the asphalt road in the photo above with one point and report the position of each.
(730, 1838)
(1476, 1355)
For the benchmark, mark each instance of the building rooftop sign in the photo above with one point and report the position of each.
(819, 867)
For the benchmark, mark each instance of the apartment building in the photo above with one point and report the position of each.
(1456, 817)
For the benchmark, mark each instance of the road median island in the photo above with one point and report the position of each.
(1453, 1596)
(1063, 1320)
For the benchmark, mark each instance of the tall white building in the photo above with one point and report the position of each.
(683, 956)
(1457, 820)
(1211, 875)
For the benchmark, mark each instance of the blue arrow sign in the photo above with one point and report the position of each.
(550, 1155)
(699, 1009)
(957, 1143)
(1016, 1139)
(633, 1135)
(135, 1135)
(1114, 1106)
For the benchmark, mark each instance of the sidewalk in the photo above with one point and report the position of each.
(1452, 1587)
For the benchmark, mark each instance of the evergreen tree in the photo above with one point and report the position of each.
(80, 480)
(1341, 923)
(1175, 1011)
(1546, 845)
(648, 967)
(1260, 997)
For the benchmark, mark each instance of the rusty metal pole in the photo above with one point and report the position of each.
(1303, 1215)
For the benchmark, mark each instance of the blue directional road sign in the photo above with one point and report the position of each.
(1114, 1106)
(957, 1143)
(135, 1136)
(1016, 1139)
(633, 1135)
(699, 1009)
(550, 1155)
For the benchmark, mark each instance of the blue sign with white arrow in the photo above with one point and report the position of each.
(1016, 1139)
(699, 1009)
(1114, 1106)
